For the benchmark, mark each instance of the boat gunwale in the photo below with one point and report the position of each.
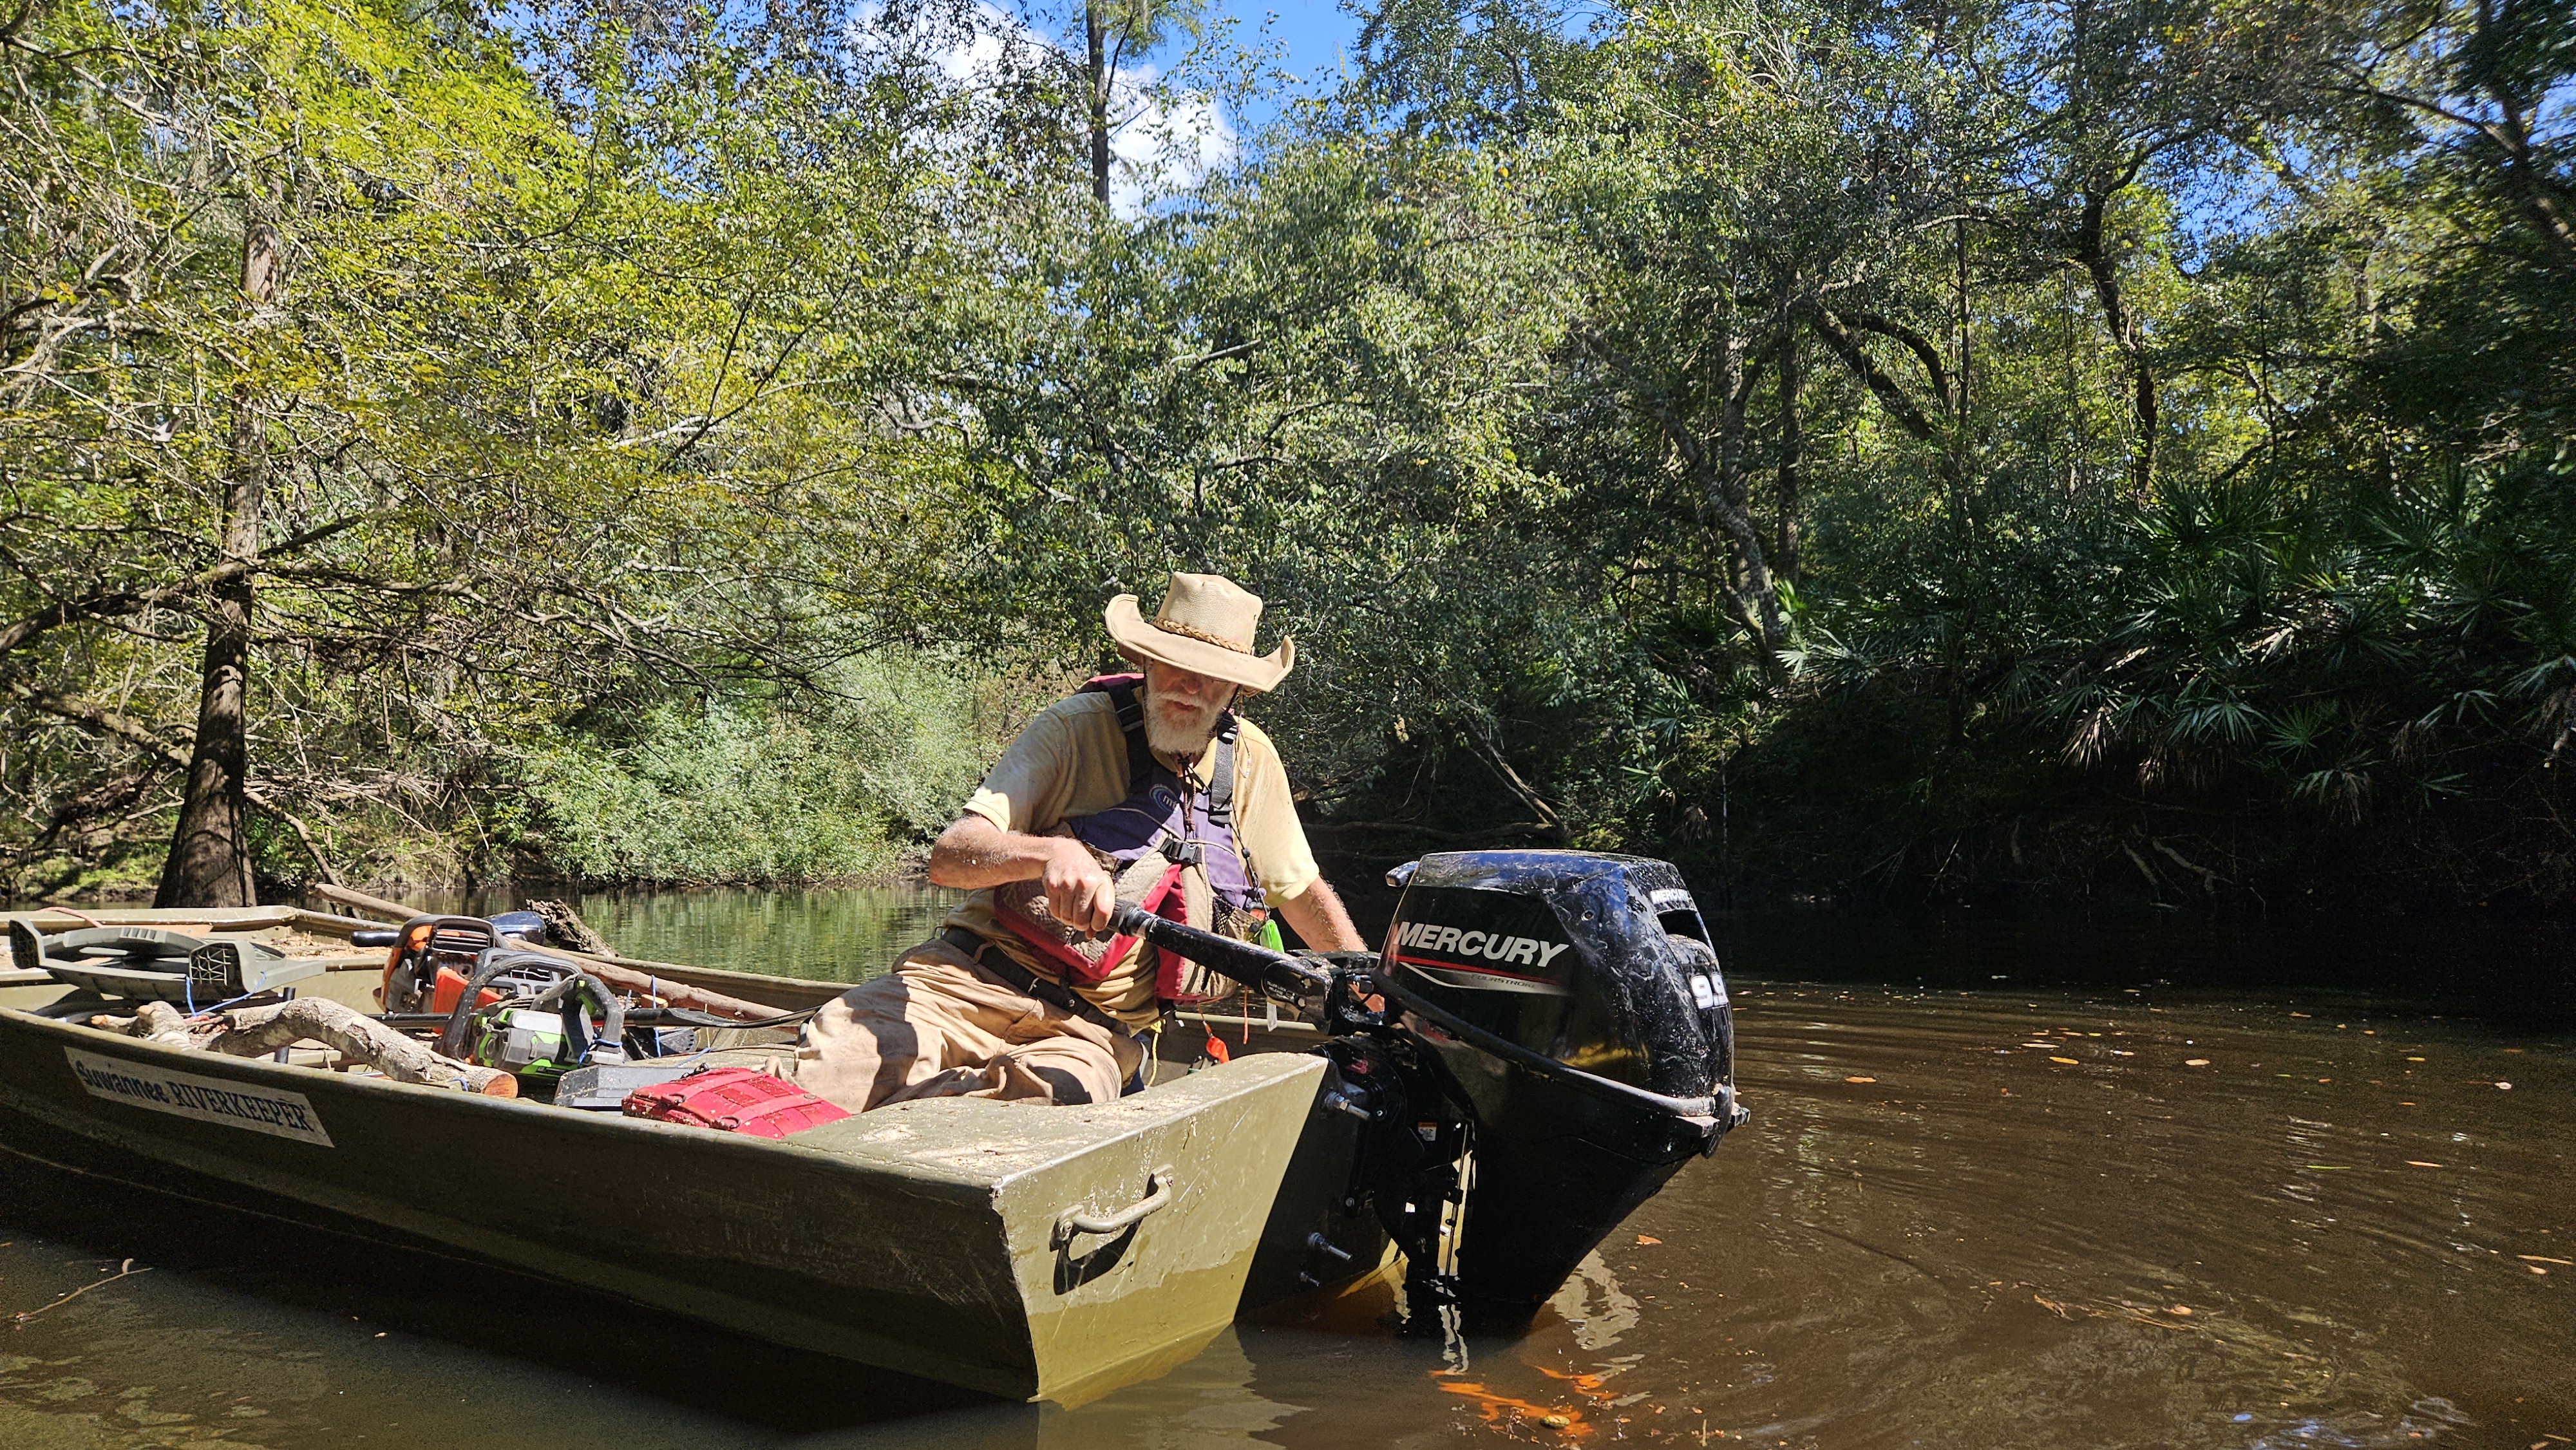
(813, 990)
(266, 1073)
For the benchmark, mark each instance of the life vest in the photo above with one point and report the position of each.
(1171, 849)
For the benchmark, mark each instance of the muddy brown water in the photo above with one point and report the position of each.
(2140, 1209)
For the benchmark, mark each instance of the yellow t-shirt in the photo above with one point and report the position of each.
(1072, 761)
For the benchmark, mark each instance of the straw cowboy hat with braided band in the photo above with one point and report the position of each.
(1204, 626)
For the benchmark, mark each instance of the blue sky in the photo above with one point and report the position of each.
(1187, 138)
(1315, 35)
(1315, 32)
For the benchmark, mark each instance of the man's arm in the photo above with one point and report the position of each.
(1320, 921)
(973, 852)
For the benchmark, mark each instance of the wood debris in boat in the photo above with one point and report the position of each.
(258, 1031)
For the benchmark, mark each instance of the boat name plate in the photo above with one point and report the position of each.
(272, 1111)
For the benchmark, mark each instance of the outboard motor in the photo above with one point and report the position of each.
(1543, 1041)
(1574, 1006)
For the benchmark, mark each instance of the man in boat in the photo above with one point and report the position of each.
(1143, 789)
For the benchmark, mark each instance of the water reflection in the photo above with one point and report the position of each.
(829, 934)
(1594, 1307)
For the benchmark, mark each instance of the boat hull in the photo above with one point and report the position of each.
(928, 1238)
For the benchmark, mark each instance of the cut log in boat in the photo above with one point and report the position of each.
(259, 1031)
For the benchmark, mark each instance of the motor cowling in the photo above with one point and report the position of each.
(1573, 1005)
(1543, 1040)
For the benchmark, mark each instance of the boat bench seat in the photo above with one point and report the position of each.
(983, 1139)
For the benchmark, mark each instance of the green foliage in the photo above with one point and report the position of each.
(1948, 412)
(572, 397)
(744, 790)
(2397, 646)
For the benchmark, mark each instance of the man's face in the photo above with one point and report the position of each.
(1181, 708)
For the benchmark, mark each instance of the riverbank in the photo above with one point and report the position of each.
(2073, 854)
(1997, 827)
(842, 786)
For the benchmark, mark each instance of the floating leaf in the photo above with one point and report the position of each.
(2182, 1309)
(1648, 1239)
(2420, 1163)
(1860, 1079)
(2195, 1062)
(2070, 1062)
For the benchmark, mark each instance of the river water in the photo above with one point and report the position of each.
(2004, 1186)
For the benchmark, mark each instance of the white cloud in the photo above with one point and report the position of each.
(1161, 141)
(1166, 142)
(968, 45)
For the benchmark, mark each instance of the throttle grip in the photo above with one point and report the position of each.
(1257, 967)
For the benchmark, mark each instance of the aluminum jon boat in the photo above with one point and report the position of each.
(1482, 1105)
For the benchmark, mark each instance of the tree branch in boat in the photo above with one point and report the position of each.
(258, 1031)
(393, 911)
(565, 927)
(626, 978)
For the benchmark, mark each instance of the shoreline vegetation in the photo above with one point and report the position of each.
(1863, 452)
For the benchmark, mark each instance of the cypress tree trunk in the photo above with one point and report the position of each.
(209, 861)
(1095, 27)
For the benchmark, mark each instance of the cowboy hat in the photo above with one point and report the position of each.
(1204, 626)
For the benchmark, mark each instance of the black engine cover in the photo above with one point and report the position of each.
(1574, 1004)
(1598, 962)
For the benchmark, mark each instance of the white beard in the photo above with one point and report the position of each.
(1182, 742)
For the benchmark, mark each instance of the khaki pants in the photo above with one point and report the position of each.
(941, 1026)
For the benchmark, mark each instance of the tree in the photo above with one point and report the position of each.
(523, 428)
(210, 861)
